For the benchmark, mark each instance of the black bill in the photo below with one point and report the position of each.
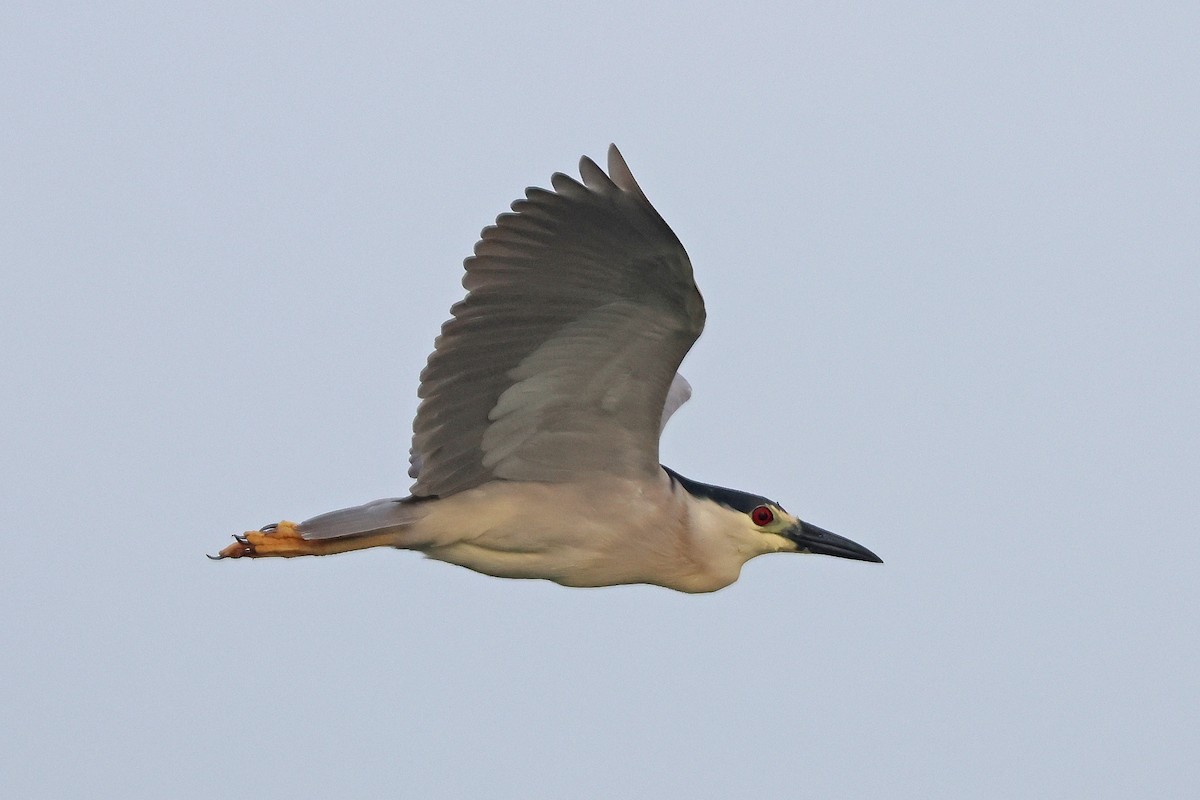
(811, 539)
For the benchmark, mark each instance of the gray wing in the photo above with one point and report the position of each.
(580, 306)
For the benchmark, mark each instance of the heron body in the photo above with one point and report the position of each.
(535, 446)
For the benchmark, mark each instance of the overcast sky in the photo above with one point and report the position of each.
(952, 266)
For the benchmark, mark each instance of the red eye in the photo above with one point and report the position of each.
(762, 516)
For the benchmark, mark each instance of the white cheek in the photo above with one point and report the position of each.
(782, 544)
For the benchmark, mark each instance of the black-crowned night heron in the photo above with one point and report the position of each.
(535, 447)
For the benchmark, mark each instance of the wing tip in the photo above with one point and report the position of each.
(620, 173)
(595, 178)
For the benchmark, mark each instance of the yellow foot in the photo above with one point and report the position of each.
(273, 540)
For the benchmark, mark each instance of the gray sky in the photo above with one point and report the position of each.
(952, 266)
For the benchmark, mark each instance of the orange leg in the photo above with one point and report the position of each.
(285, 541)
(273, 540)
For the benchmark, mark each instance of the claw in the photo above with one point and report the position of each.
(242, 549)
(215, 558)
(269, 528)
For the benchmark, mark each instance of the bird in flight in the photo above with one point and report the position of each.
(535, 446)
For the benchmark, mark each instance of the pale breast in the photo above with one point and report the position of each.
(607, 531)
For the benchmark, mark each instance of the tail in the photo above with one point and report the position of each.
(379, 518)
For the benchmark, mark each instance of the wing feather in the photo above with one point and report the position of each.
(580, 306)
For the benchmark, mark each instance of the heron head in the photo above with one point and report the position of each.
(808, 538)
(756, 516)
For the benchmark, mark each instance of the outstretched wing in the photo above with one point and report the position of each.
(580, 306)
